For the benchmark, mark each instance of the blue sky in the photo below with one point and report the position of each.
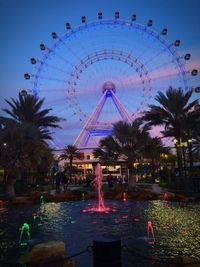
(26, 24)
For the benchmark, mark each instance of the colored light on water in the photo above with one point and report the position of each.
(23, 244)
(151, 242)
(150, 232)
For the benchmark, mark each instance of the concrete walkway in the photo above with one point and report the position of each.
(154, 187)
(157, 189)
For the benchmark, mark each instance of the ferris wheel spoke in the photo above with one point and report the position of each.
(151, 59)
(160, 66)
(52, 52)
(70, 49)
(52, 66)
(50, 78)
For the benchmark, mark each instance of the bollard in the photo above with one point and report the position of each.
(107, 251)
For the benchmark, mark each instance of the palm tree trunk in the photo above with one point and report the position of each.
(10, 189)
(153, 169)
(179, 160)
(189, 145)
(70, 166)
(132, 177)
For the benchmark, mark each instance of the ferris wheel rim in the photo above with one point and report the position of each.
(114, 22)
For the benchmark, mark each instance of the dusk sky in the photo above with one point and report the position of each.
(27, 24)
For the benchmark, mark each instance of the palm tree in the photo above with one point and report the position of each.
(127, 142)
(108, 151)
(24, 132)
(20, 150)
(173, 110)
(131, 139)
(28, 108)
(153, 150)
(191, 132)
(69, 153)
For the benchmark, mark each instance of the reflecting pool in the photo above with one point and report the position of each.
(176, 228)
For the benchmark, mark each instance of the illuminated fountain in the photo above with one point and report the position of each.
(37, 222)
(98, 185)
(100, 207)
(24, 237)
(124, 196)
(41, 200)
(150, 233)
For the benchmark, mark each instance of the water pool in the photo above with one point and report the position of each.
(176, 227)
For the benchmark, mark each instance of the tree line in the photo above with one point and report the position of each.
(27, 128)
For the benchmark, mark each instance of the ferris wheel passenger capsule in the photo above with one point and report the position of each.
(54, 35)
(187, 56)
(197, 89)
(194, 72)
(117, 15)
(33, 60)
(23, 93)
(100, 15)
(177, 42)
(27, 76)
(68, 26)
(83, 19)
(150, 23)
(133, 17)
(164, 31)
(42, 47)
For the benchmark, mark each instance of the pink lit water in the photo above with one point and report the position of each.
(98, 185)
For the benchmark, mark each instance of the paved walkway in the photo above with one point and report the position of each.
(157, 189)
(154, 187)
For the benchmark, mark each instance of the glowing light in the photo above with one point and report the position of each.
(124, 196)
(98, 184)
(151, 242)
(150, 233)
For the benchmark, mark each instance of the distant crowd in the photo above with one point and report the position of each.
(63, 179)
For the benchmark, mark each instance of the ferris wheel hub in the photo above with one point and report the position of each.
(108, 86)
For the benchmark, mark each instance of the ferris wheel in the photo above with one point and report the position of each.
(135, 58)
